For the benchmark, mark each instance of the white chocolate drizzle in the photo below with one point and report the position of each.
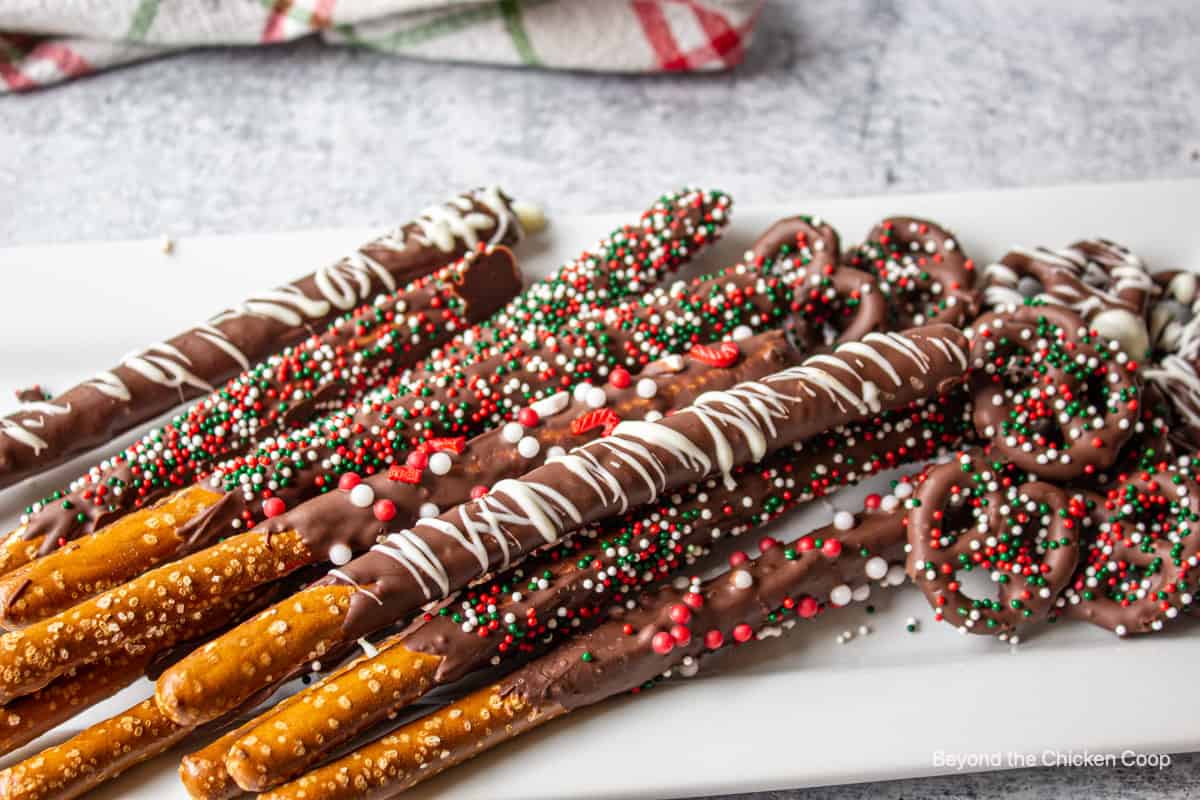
(752, 409)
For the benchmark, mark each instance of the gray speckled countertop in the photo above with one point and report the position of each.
(835, 98)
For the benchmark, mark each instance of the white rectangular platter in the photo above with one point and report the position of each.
(797, 711)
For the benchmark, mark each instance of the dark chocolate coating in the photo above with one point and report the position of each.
(188, 365)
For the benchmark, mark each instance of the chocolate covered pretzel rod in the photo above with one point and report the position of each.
(667, 634)
(633, 465)
(364, 511)
(355, 354)
(151, 381)
(1103, 282)
(468, 399)
(737, 299)
(572, 586)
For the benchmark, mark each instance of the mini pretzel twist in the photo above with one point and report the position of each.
(973, 513)
(1051, 396)
(1139, 564)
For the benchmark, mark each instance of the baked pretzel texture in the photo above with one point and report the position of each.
(633, 465)
(666, 635)
(150, 382)
(463, 388)
(356, 353)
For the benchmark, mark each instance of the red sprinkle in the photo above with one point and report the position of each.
(722, 355)
(743, 633)
(478, 491)
(384, 510)
(832, 548)
(528, 417)
(349, 481)
(620, 378)
(662, 643)
(681, 635)
(680, 613)
(714, 639)
(417, 459)
(273, 507)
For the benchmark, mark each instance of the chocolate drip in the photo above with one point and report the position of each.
(296, 384)
(640, 461)
(149, 383)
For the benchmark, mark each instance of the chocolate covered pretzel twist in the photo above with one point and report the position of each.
(1102, 281)
(922, 271)
(834, 296)
(1050, 394)
(973, 513)
(150, 382)
(1139, 564)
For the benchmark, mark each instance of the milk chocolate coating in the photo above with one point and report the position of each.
(579, 575)
(859, 307)
(1050, 397)
(974, 514)
(922, 269)
(617, 335)
(640, 461)
(471, 290)
(188, 365)
(1137, 571)
(1106, 284)
(609, 661)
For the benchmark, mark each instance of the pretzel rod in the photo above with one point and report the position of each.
(573, 585)
(355, 353)
(27, 717)
(149, 382)
(203, 772)
(93, 756)
(305, 626)
(667, 634)
(322, 448)
(605, 477)
(741, 298)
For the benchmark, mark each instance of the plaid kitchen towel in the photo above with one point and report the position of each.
(43, 42)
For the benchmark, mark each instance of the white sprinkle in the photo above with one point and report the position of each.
(362, 495)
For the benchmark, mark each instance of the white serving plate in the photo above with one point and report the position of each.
(797, 711)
